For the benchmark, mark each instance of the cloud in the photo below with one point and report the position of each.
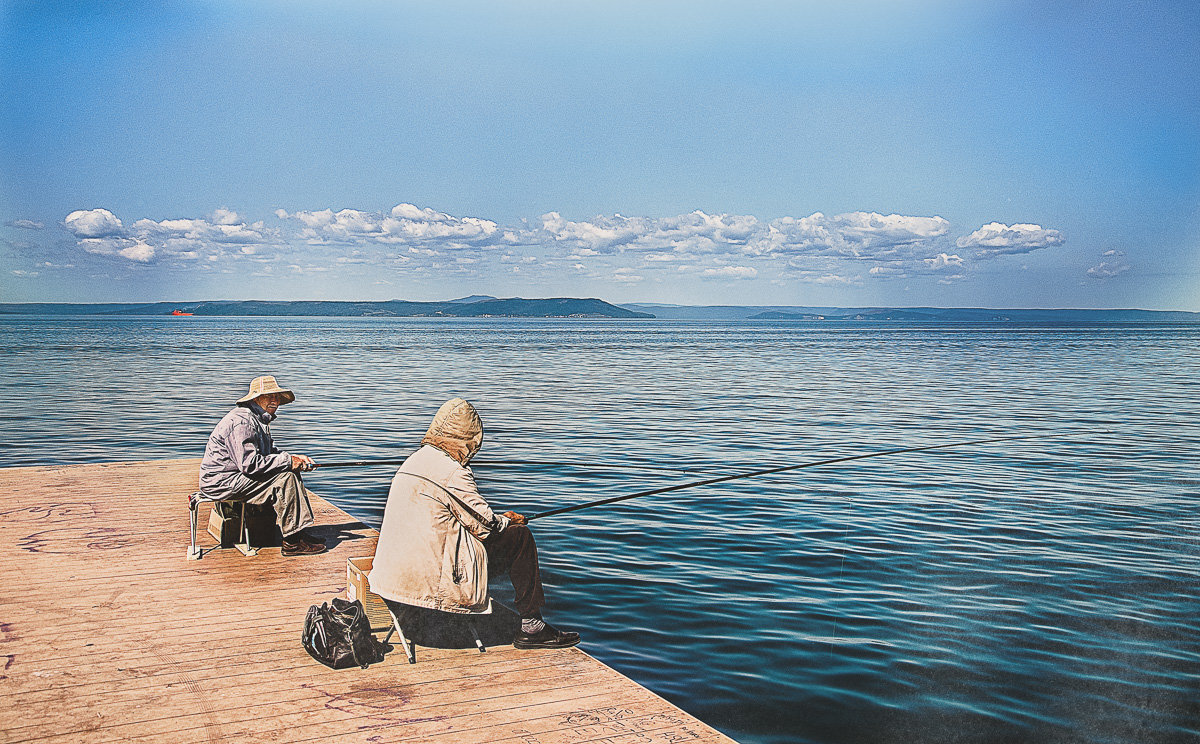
(24, 274)
(183, 233)
(731, 272)
(997, 239)
(101, 232)
(695, 231)
(855, 235)
(26, 224)
(827, 278)
(93, 223)
(1115, 265)
(943, 261)
(896, 244)
(824, 249)
(139, 251)
(224, 216)
(404, 224)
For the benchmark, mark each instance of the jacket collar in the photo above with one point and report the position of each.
(260, 413)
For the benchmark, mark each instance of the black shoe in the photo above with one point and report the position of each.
(301, 547)
(547, 637)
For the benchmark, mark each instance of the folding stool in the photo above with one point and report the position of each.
(195, 552)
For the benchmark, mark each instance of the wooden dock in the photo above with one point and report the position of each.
(108, 633)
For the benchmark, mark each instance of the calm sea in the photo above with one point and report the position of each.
(1043, 590)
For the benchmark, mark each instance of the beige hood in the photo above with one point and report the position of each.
(456, 430)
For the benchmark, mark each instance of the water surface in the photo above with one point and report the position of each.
(1038, 590)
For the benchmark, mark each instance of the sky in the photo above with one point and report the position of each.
(998, 154)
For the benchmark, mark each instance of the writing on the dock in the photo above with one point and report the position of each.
(632, 726)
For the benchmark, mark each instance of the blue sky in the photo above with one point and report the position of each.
(1007, 154)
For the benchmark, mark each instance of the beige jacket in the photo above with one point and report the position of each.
(430, 551)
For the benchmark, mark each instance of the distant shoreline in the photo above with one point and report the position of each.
(585, 308)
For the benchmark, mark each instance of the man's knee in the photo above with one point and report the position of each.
(290, 480)
(521, 536)
(519, 531)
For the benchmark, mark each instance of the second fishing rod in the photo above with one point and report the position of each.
(698, 483)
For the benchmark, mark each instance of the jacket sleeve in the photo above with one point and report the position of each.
(484, 521)
(246, 457)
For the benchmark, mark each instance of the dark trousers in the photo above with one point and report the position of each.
(513, 551)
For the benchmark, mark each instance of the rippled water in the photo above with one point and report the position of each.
(1044, 590)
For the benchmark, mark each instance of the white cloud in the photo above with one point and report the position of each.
(139, 251)
(403, 224)
(997, 239)
(190, 232)
(857, 235)
(99, 231)
(26, 224)
(943, 261)
(1114, 265)
(24, 274)
(224, 216)
(93, 223)
(695, 231)
(827, 278)
(731, 272)
(818, 248)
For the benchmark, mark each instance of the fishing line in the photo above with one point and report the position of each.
(515, 463)
(769, 471)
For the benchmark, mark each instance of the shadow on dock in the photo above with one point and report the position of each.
(434, 629)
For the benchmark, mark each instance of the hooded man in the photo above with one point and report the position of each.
(242, 463)
(440, 541)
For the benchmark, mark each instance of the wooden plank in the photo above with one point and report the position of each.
(109, 634)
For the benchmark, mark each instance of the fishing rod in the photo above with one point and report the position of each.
(769, 471)
(537, 463)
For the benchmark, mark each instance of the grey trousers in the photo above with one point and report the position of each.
(293, 511)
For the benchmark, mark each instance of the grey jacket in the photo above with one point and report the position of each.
(241, 443)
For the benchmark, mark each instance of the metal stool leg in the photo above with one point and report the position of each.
(244, 533)
(475, 634)
(408, 648)
(194, 553)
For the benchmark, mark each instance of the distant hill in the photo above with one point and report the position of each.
(512, 307)
(912, 314)
(473, 298)
(484, 306)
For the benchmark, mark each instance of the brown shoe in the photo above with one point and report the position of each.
(301, 547)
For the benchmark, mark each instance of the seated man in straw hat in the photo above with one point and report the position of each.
(242, 463)
(440, 541)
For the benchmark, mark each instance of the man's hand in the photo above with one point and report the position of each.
(515, 518)
(303, 463)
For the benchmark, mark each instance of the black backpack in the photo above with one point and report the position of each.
(338, 635)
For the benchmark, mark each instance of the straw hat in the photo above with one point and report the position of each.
(266, 385)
